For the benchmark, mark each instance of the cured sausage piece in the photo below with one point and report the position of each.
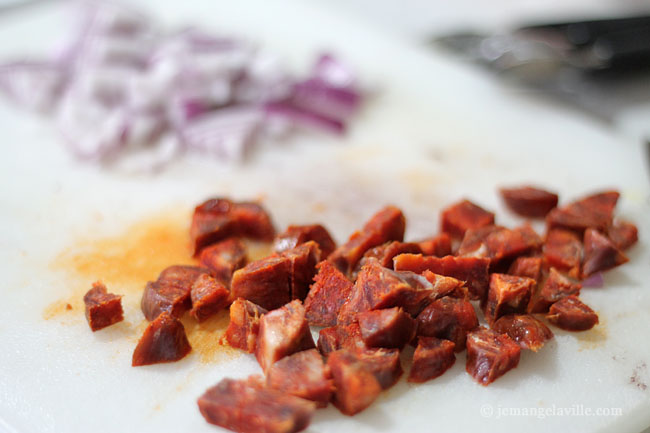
(389, 328)
(170, 292)
(356, 386)
(265, 282)
(459, 217)
(384, 364)
(384, 253)
(386, 225)
(600, 253)
(525, 330)
(623, 234)
(553, 288)
(594, 211)
(472, 270)
(224, 258)
(340, 337)
(473, 242)
(445, 286)
(508, 294)
(328, 293)
(571, 314)
(303, 260)
(209, 296)
(499, 243)
(438, 246)
(296, 235)
(245, 406)
(530, 267)
(490, 355)
(303, 374)
(431, 359)
(164, 340)
(563, 250)
(528, 201)
(244, 325)
(282, 332)
(219, 218)
(102, 308)
(448, 318)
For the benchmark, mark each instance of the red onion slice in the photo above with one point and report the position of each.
(594, 281)
(305, 118)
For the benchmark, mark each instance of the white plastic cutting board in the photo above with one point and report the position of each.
(434, 133)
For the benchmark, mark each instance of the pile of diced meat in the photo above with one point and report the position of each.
(373, 296)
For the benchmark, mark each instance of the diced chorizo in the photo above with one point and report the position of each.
(386, 225)
(102, 308)
(265, 282)
(594, 211)
(389, 328)
(472, 270)
(282, 332)
(499, 243)
(508, 294)
(244, 325)
(563, 250)
(432, 357)
(296, 235)
(525, 330)
(303, 259)
(224, 258)
(164, 340)
(490, 355)
(340, 337)
(448, 318)
(553, 287)
(356, 386)
(384, 253)
(328, 293)
(170, 292)
(600, 253)
(445, 286)
(473, 242)
(219, 218)
(459, 217)
(529, 201)
(245, 406)
(438, 246)
(623, 234)
(571, 314)
(530, 267)
(303, 374)
(383, 363)
(209, 296)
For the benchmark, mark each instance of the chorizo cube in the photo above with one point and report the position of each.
(303, 374)
(490, 355)
(356, 386)
(438, 246)
(459, 217)
(600, 253)
(389, 328)
(508, 294)
(507, 244)
(282, 332)
(254, 221)
(245, 406)
(594, 211)
(445, 286)
(386, 225)
(384, 253)
(553, 287)
(432, 357)
(326, 296)
(571, 314)
(303, 259)
(164, 340)
(383, 363)
(530, 267)
(563, 250)
(623, 234)
(102, 308)
(265, 282)
(244, 325)
(473, 242)
(525, 330)
(340, 337)
(448, 318)
(224, 258)
(296, 235)
(474, 271)
(170, 292)
(209, 296)
(529, 201)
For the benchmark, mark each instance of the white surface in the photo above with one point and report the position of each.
(436, 132)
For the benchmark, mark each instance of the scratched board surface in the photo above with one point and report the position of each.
(433, 133)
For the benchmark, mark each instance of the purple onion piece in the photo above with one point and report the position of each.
(302, 117)
(34, 85)
(594, 281)
(318, 96)
(333, 72)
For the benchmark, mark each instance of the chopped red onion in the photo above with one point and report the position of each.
(334, 72)
(316, 95)
(594, 281)
(303, 117)
(34, 85)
